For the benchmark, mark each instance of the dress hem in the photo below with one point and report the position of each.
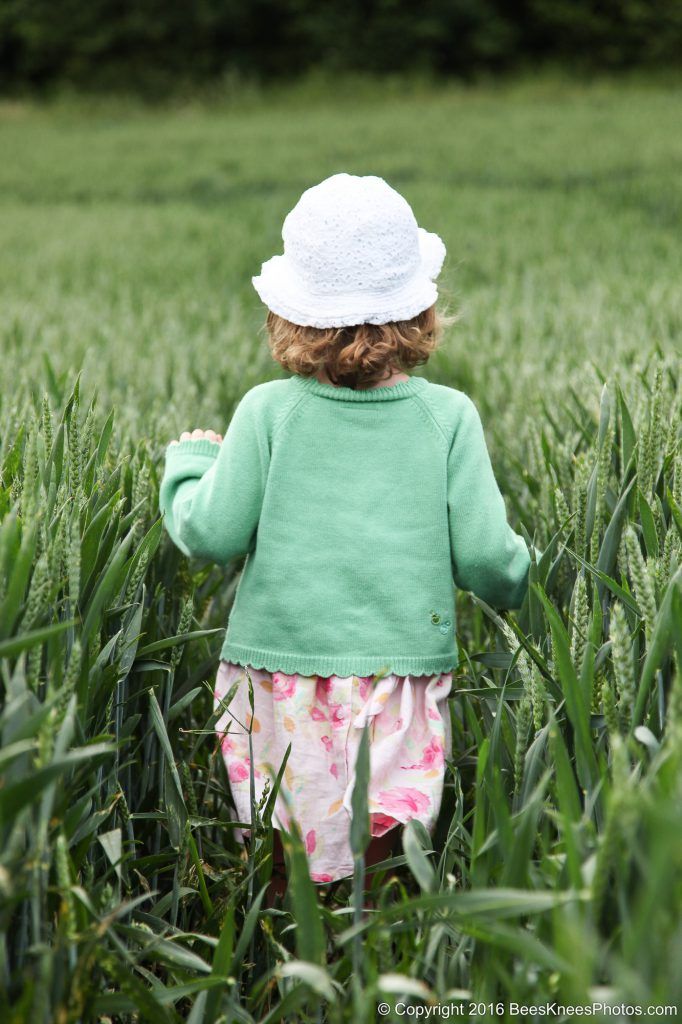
(342, 667)
(348, 873)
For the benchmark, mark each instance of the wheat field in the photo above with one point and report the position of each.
(129, 237)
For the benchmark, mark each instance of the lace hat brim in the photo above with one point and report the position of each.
(283, 292)
(432, 251)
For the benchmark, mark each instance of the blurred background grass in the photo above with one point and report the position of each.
(130, 233)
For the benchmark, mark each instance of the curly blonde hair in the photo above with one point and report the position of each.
(358, 356)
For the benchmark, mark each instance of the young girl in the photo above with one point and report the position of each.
(361, 496)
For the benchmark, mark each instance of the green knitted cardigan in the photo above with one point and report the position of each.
(359, 511)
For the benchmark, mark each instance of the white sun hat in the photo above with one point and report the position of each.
(353, 254)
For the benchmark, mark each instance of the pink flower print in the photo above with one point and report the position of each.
(403, 800)
(381, 823)
(226, 743)
(433, 714)
(339, 716)
(326, 742)
(317, 715)
(239, 770)
(322, 689)
(283, 686)
(310, 841)
(334, 770)
(398, 725)
(432, 755)
(318, 876)
(365, 686)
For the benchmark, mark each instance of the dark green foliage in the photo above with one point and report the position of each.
(154, 46)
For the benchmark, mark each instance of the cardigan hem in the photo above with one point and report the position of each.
(332, 665)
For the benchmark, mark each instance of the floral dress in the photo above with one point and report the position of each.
(323, 718)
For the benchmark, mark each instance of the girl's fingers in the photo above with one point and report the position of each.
(199, 435)
(173, 442)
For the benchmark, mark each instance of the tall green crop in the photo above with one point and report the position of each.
(553, 872)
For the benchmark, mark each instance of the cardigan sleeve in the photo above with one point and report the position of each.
(488, 557)
(211, 493)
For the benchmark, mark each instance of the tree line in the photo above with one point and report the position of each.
(156, 44)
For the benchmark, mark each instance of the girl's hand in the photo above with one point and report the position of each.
(198, 435)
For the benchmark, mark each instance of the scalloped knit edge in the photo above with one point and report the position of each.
(315, 665)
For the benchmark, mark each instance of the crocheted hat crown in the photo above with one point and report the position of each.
(353, 253)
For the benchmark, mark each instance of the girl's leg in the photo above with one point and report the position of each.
(380, 848)
(278, 883)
